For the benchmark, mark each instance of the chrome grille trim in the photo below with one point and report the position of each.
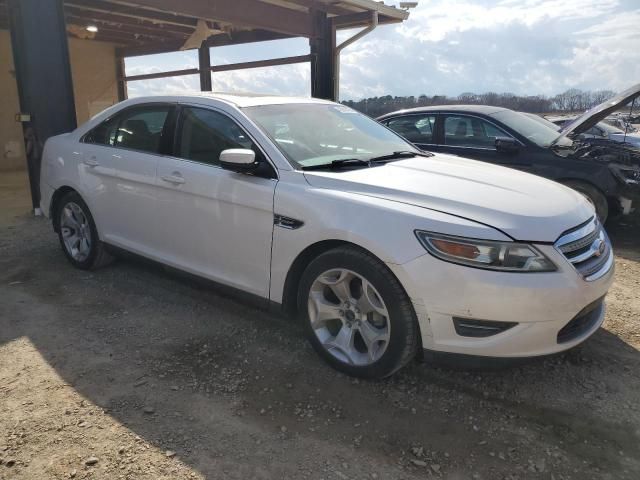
(588, 249)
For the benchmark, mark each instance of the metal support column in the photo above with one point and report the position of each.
(120, 76)
(323, 46)
(43, 77)
(204, 62)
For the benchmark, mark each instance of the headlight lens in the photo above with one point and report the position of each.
(503, 256)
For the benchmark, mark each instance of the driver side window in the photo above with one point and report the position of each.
(204, 134)
(471, 132)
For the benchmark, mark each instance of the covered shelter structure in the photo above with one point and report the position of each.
(63, 60)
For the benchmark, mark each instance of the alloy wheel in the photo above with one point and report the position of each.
(76, 231)
(349, 317)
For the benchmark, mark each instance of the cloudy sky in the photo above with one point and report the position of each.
(447, 47)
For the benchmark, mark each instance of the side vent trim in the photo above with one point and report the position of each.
(287, 222)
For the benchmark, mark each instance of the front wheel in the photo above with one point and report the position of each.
(356, 314)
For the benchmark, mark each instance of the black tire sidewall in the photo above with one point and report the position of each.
(73, 197)
(402, 317)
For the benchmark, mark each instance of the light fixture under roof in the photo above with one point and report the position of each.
(92, 28)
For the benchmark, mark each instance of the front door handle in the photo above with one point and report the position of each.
(176, 178)
(91, 162)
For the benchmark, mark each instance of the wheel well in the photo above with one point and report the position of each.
(564, 181)
(290, 294)
(612, 200)
(57, 195)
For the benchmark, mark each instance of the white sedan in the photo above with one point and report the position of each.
(379, 249)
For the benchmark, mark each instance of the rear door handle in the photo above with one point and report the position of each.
(91, 162)
(176, 178)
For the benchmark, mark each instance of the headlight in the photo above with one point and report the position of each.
(626, 174)
(503, 256)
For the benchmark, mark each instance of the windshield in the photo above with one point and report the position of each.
(534, 130)
(311, 134)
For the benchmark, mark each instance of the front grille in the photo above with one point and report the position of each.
(588, 249)
(582, 322)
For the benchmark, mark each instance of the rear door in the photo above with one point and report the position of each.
(121, 158)
(213, 222)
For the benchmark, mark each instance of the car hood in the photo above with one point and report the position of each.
(598, 113)
(523, 206)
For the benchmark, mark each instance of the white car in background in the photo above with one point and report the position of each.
(380, 249)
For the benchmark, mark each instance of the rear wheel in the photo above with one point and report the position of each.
(356, 314)
(78, 234)
(595, 197)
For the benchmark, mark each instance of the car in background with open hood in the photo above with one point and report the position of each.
(604, 131)
(605, 171)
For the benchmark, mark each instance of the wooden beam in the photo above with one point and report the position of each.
(108, 7)
(90, 16)
(325, 7)
(352, 20)
(248, 13)
(152, 76)
(261, 63)
(233, 38)
(142, 34)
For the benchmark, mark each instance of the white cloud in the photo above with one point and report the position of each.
(454, 46)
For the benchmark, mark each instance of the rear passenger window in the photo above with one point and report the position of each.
(141, 128)
(415, 128)
(103, 134)
(138, 128)
(205, 134)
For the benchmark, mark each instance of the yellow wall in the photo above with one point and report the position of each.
(93, 69)
(11, 143)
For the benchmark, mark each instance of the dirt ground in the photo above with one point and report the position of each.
(132, 372)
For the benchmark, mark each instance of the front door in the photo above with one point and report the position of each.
(213, 222)
(474, 137)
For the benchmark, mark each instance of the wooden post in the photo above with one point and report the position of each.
(43, 77)
(120, 76)
(323, 46)
(204, 62)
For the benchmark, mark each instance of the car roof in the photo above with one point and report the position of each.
(239, 100)
(482, 109)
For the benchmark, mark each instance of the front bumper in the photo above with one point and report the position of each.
(541, 303)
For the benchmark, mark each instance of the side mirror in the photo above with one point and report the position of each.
(240, 160)
(507, 145)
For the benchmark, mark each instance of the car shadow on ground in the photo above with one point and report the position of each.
(238, 393)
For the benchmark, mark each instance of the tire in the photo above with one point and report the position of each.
(375, 334)
(595, 197)
(78, 234)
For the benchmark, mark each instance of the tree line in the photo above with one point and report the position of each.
(573, 100)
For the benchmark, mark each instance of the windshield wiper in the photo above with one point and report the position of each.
(343, 162)
(400, 154)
